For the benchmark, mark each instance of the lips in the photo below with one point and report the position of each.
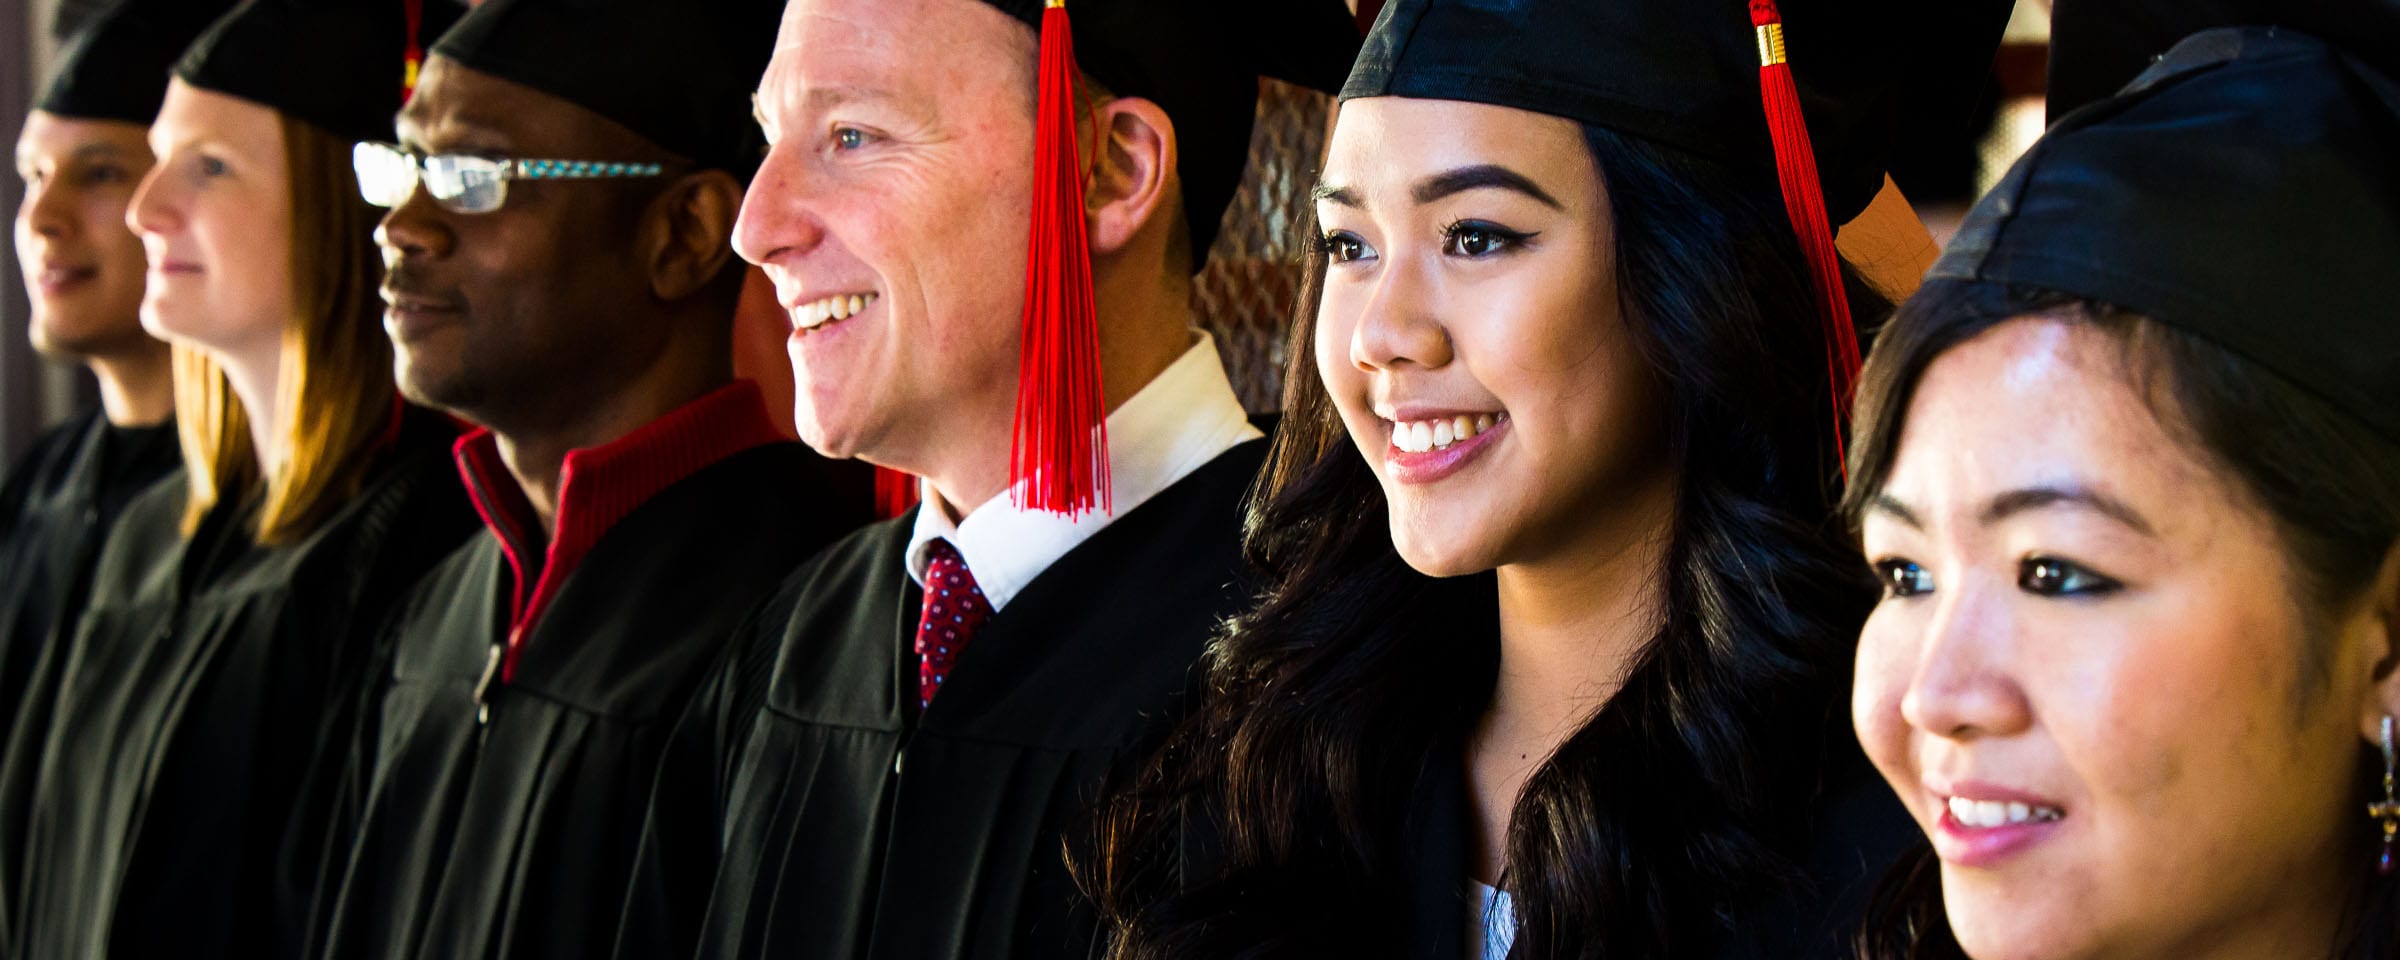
(815, 313)
(1982, 825)
(1429, 445)
(411, 309)
(54, 279)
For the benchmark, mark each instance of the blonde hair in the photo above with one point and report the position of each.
(334, 392)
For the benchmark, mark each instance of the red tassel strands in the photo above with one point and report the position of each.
(1804, 201)
(416, 48)
(1059, 458)
(895, 492)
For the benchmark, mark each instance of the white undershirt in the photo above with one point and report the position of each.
(1491, 923)
(1174, 425)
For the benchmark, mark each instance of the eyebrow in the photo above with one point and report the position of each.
(2024, 500)
(2037, 498)
(83, 153)
(1891, 506)
(1449, 183)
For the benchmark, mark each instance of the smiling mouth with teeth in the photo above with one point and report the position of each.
(1991, 814)
(1421, 436)
(817, 313)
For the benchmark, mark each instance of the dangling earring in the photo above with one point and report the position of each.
(2389, 810)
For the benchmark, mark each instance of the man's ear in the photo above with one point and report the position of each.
(692, 233)
(1133, 172)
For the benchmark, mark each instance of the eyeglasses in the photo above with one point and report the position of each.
(388, 173)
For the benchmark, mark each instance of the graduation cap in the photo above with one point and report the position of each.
(681, 75)
(2097, 46)
(343, 65)
(1200, 63)
(1809, 92)
(2243, 190)
(115, 66)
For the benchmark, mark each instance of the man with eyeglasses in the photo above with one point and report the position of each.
(561, 275)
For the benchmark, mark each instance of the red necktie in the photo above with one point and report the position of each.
(954, 610)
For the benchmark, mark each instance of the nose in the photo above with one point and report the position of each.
(44, 211)
(153, 211)
(1964, 686)
(778, 218)
(1397, 323)
(418, 227)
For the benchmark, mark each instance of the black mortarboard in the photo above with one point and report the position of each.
(2246, 189)
(681, 75)
(2097, 46)
(115, 67)
(1685, 73)
(343, 65)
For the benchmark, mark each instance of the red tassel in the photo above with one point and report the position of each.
(415, 57)
(1058, 459)
(1804, 201)
(895, 492)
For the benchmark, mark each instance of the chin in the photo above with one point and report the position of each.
(1439, 554)
(2011, 933)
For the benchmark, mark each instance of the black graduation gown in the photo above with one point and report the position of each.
(1857, 829)
(852, 828)
(55, 510)
(511, 833)
(193, 695)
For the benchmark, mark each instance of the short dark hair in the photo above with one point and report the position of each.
(2331, 485)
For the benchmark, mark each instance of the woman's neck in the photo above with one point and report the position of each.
(256, 381)
(1572, 623)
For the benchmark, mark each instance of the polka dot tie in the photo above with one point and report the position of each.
(954, 610)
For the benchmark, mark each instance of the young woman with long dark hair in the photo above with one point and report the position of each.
(1559, 621)
(2129, 468)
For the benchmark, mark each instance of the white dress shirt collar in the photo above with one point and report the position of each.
(1173, 426)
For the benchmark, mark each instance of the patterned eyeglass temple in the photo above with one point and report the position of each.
(580, 169)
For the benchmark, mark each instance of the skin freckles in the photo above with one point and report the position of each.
(2079, 609)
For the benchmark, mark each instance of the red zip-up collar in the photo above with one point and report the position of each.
(598, 486)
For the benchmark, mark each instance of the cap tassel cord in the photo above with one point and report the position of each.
(1804, 201)
(415, 57)
(895, 492)
(1058, 457)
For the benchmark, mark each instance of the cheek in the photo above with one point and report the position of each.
(1887, 659)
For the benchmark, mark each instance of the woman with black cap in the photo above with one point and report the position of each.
(231, 613)
(1559, 624)
(2129, 469)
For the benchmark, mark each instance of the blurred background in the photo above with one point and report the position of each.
(1244, 298)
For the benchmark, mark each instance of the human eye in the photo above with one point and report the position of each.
(1477, 239)
(2054, 577)
(103, 174)
(847, 138)
(1342, 246)
(1902, 577)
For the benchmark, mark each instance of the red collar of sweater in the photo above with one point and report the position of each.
(598, 486)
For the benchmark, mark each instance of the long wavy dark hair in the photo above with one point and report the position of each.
(1673, 807)
(2331, 484)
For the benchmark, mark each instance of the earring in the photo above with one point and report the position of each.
(2389, 810)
